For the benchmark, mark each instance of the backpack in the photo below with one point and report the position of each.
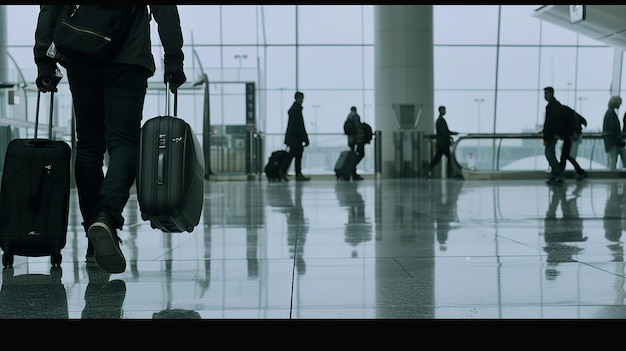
(91, 33)
(349, 127)
(569, 122)
(367, 133)
(573, 122)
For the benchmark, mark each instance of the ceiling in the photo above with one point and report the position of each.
(605, 23)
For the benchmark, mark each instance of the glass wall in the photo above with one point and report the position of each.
(491, 63)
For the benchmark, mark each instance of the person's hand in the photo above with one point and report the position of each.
(175, 78)
(47, 83)
(48, 80)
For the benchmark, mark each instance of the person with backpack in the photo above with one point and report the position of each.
(353, 128)
(108, 94)
(571, 130)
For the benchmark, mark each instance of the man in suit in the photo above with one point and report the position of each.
(443, 141)
(552, 132)
(296, 138)
(356, 141)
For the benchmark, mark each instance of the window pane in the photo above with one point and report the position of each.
(464, 67)
(200, 24)
(239, 24)
(518, 68)
(517, 25)
(452, 24)
(330, 24)
(323, 67)
(278, 23)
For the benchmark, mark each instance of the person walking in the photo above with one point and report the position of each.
(296, 138)
(577, 138)
(552, 131)
(571, 126)
(443, 141)
(108, 103)
(612, 134)
(356, 140)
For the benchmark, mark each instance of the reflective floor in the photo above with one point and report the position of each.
(375, 249)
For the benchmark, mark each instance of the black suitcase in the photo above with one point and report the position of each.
(273, 165)
(170, 174)
(33, 296)
(345, 165)
(34, 198)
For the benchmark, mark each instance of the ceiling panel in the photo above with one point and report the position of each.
(605, 23)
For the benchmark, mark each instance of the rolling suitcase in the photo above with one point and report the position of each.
(170, 174)
(345, 165)
(273, 165)
(34, 196)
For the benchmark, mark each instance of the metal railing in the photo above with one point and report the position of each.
(521, 156)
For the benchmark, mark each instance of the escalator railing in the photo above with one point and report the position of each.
(521, 156)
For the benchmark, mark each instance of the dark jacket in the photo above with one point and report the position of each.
(443, 138)
(296, 133)
(611, 127)
(359, 136)
(553, 124)
(137, 48)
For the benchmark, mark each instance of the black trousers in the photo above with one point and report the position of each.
(438, 154)
(565, 156)
(108, 103)
(295, 152)
(360, 152)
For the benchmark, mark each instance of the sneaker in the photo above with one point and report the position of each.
(302, 177)
(282, 176)
(106, 243)
(582, 176)
(357, 177)
(555, 181)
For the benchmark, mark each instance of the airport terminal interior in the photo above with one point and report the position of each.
(428, 248)
(478, 242)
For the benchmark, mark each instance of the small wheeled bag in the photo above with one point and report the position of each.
(170, 174)
(35, 195)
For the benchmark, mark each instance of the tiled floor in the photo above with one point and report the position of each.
(376, 249)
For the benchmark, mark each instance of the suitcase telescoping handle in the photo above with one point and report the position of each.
(167, 100)
(51, 114)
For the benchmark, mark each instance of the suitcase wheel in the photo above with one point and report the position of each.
(7, 260)
(55, 259)
(56, 273)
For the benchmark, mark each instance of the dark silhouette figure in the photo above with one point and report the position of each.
(560, 232)
(297, 224)
(613, 139)
(296, 138)
(571, 131)
(552, 132)
(356, 141)
(446, 204)
(108, 100)
(613, 220)
(443, 141)
(103, 298)
(358, 229)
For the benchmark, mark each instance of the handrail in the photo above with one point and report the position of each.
(493, 160)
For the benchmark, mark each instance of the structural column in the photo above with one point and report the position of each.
(403, 64)
(4, 57)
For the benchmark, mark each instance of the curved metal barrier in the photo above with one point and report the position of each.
(521, 156)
